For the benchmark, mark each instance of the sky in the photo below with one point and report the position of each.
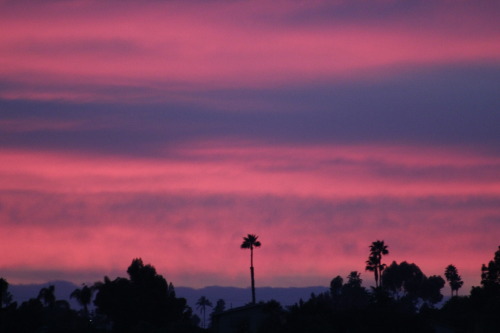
(168, 130)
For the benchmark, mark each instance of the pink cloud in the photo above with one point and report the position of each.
(316, 211)
(185, 209)
(173, 48)
(302, 251)
(325, 171)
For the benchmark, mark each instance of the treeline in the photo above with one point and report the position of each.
(403, 300)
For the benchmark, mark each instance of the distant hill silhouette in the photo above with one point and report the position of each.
(233, 296)
(23, 292)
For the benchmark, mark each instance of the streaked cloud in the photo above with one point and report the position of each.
(321, 203)
(167, 49)
(169, 130)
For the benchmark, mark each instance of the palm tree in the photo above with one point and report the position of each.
(84, 297)
(47, 295)
(454, 280)
(250, 242)
(201, 305)
(374, 262)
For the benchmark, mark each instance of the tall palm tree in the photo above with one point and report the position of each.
(201, 306)
(374, 262)
(84, 297)
(250, 242)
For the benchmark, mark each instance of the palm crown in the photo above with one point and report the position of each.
(374, 264)
(250, 242)
(201, 305)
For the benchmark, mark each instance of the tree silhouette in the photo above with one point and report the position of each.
(454, 280)
(5, 295)
(354, 280)
(374, 262)
(336, 286)
(353, 294)
(250, 242)
(47, 296)
(403, 280)
(201, 305)
(220, 306)
(407, 284)
(83, 296)
(490, 274)
(144, 299)
(431, 290)
(485, 300)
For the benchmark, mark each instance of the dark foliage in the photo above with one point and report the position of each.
(5, 295)
(55, 316)
(145, 302)
(407, 285)
(374, 263)
(453, 278)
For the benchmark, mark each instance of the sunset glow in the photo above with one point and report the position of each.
(169, 130)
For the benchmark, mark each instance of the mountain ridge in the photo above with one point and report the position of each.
(233, 296)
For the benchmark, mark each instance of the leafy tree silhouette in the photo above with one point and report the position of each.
(490, 274)
(348, 296)
(431, 290)
(84, 297)
(5, 295)
(220, 306)
(201, 305)
(407, 284)
(374, 262)
(354, 295)
(454, 280)
(146, 300)
(354, 280)
(336, 287)
(485, 300)
(274, 316)
(30, 316)
(250, 242)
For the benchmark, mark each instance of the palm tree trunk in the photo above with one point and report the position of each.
(253, 285)
(380, 276)
(252, 275)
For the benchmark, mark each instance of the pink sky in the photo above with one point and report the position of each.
(170, 130)
(72, 50)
